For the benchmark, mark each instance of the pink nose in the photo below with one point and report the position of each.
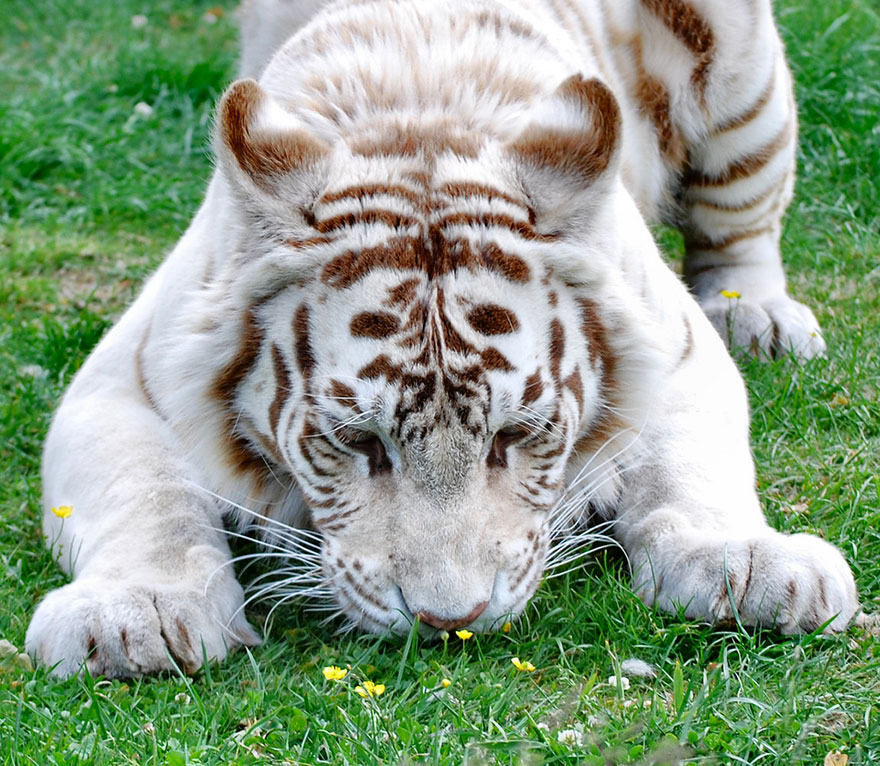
(438, 622)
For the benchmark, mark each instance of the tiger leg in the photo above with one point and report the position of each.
(152, 585)
(691, 522)
(734, 194)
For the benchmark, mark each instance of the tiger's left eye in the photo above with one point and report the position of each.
(506, 437)
(367, 443)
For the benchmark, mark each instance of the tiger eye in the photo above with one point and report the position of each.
(506, 437)
(371, 445)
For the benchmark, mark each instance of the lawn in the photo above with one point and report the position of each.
(104, 127)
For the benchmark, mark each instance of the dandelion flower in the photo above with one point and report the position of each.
(63, 511)
(730, 293)
(525, 667)
(506, 627)
(369, 689)
(333, 673)
(464, 635)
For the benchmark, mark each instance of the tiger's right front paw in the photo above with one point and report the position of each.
(124, 630)
(768, 328)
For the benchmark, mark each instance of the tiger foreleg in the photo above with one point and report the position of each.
(733, 196)
(692, 524)
(153, 585)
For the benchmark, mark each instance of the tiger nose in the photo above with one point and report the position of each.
(441, 624)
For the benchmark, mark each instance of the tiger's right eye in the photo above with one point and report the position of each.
(506, 437)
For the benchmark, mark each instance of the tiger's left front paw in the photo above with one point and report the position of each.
(795, 583)
(771, 327)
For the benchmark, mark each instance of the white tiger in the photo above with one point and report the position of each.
(420, 313)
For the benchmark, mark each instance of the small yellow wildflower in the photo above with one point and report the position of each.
(369, 689)
(334, 673)
(526, 666)
(506, 627)
(839, 400)
(730, 293)
(446, 683)
(63, 511)
(464, 635)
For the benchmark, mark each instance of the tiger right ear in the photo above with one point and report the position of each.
(572, 147)
(258, 138)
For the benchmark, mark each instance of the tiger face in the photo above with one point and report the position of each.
(426, 374)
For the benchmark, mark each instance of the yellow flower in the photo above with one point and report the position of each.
(839, 400)
(333, 673)
(63, 511)
(369, 689)
(730, 293)
(446, 683)
(526, 666)
(464, 635)
(506, 627)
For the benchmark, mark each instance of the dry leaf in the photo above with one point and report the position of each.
(836, 759)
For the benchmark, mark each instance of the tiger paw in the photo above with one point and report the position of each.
(126, 630)
(770, 328)
(794, 583)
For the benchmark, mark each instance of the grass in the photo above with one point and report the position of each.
(92, 193)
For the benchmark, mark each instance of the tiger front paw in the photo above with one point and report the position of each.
(125, 630)
(770, 328)
(794, 583)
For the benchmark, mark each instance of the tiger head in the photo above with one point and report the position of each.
(432, 342)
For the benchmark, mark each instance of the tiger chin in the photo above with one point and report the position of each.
(419, 332)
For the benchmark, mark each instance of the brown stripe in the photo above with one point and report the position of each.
(361, 217)
(472, 189)
(653, 98)
(746, 117)
(533, 388)
(369, 190)
(521, 228)
(738, 207)
(374, 324)
(435, 258)
(489, 319)
(557, 349)
(493, 359)
(305, 357)
(576, 384)
(141, 377)
(688, 341)
(282, 388)
(342, 393)
(303, 244)
(745, 167)
(695, 241)
(408, 142)
(691, 30)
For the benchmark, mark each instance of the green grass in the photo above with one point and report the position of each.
(92, 195)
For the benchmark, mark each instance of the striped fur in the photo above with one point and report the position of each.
(420, 337)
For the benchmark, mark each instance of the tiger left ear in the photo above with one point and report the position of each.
(572, 147)
(258, 139)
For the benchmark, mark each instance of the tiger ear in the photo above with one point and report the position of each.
(570, 150)
(258, 140)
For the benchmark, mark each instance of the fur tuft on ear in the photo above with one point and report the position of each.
(258, 137)
(572, 145)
